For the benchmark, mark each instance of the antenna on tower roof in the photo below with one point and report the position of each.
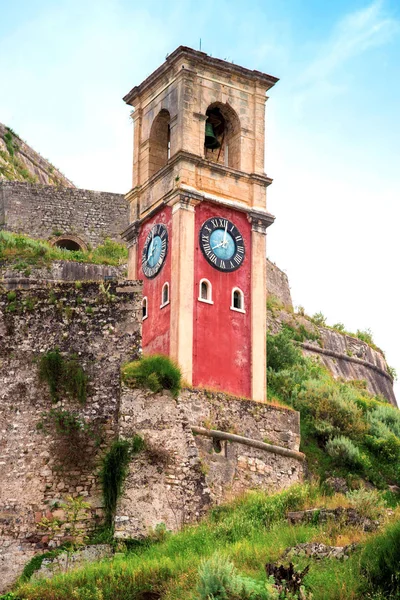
(200, 45)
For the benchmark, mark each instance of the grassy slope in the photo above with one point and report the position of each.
(250, 532)
(22, 253)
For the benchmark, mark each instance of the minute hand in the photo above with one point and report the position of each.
(225, 240)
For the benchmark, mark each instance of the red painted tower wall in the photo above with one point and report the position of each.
(221, 336)
(156, 328)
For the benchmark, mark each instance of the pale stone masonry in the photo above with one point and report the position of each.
(48, 212)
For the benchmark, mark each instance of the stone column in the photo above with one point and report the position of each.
(259, 224)
(182, 278)
(131, 235)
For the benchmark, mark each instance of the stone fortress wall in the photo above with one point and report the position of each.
(102, 328)
(49, 212)
(180, 474)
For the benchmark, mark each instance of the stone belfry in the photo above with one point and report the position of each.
(198, 218)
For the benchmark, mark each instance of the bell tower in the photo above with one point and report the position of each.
(198, 217)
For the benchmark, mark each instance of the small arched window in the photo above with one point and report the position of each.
(144, 308)
(205, 291)
(237, 300)
(165, 295)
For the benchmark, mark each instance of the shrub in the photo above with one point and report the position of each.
(319, 319)
(156, 373)
(326, 401)
(380, 560)
(386, 415)
(365, 336)
(219, 580)
(63, 375)
(50, 370)
(368, 503)
(344, 452)
(281, 351)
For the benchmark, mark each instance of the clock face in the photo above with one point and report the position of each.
(222, 244)
(155, 250)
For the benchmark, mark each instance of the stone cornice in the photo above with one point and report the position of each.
(201, 58)
(197, 160)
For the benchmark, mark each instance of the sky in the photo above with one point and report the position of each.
(333, 122)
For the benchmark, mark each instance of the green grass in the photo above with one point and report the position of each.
(22, 252)
(156, 372)
(249, 532)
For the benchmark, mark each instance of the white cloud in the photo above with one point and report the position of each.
(353, 35)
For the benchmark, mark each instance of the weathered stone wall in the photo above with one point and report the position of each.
(344, 356)
(45, 211)
(278, 284)
(38, 167)
(59, 270)
(184, 474)
(102, 329)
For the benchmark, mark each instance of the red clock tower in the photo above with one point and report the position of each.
(198, 219)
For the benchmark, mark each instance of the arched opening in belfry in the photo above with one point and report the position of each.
(222, 135)
(159, 142)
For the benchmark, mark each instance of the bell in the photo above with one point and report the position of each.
(210, 139)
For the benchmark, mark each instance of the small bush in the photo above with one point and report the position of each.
(63, 375)
(368, 503)
(380, 561)
(365, 336)
(319, 319)
(51, 370)
(281, 351)
(156, 373)
(219, 580)
(344, 452)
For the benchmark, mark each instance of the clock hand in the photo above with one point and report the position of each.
(217, 246)
(225, 240)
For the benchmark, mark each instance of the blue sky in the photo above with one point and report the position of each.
(333, 122)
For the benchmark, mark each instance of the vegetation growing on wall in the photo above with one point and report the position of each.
(22, 252)
(64, 376)
(155, 372)
(345, 430)
(114, 469)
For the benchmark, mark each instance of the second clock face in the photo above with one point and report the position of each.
(155, 250)
(222, 244)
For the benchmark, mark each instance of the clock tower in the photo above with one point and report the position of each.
(198, 218)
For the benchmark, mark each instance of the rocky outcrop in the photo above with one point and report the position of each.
(344, 516)
(319, 551)
(19, 162)
(278, 284)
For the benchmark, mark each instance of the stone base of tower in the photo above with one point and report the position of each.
(202, 449)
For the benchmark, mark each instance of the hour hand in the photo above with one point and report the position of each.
(217, 246)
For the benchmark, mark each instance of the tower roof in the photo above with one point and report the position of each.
(196, 57)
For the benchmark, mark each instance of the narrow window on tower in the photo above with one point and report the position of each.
(144, 308)
(165, 295)
(205, 291)
(237, 300)
(169, 143)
